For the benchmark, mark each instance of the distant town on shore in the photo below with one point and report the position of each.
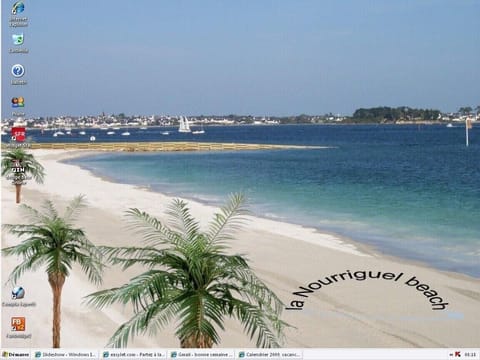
(375, 115)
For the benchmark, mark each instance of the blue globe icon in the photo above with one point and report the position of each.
(18, 7)
(18, 292)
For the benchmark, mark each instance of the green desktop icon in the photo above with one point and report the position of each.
(17, 39)
(241, 354)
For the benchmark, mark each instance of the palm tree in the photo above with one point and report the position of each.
(190, 278)
(53, 241)
(20, 159)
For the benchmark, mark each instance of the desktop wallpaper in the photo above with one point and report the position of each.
(198, 174)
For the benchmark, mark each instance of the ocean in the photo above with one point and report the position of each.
(409, 191)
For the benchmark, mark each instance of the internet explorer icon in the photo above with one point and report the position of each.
(18, 8)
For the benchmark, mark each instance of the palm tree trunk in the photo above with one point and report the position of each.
(56, 281)
(193, 341)
(18, 187)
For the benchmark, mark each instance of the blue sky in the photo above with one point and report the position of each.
(267, 57)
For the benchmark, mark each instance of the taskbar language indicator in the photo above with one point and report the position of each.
(229, 353)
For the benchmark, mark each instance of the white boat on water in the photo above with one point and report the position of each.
(126, 133)
(92, 138)
(116, 128)
(201, 131)
(81, 132)
(184, 125)
(449, 125)
(55, 134)
(165, 133)
(110, 132)
(143, 128)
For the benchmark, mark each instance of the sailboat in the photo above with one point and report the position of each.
(184, 125)
(201, 131)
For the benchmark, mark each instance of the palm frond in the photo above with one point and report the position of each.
(194, 320)
(181, 220)
(256, 323)
(129, 256)
(152, 319)
(91, 266)
(49, 210)
(56, 262)
(230, 218)
(27, 248)
(29, 264)
(151, 286)
(31, 214)
(153, 232)
(74, 207)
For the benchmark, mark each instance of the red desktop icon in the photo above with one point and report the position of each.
(17, 323)
(18, 134)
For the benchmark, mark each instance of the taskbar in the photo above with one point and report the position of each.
(224, 354)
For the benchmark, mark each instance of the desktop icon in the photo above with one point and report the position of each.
(241, 354)
(18, 134)
(5, 354)
(16, 164)
(173, 354)
(18, 102)
(18, 7)
(17, 39)
(38, 354)
(18, 70)
(17, 323)
(106, 354)
(18, 292)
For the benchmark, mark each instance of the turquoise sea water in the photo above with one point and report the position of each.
(410, 191)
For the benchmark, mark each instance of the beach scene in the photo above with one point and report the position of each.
(357, 227)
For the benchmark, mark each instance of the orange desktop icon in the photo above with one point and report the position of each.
(18, 323)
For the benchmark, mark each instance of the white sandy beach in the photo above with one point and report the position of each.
(346, 313)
